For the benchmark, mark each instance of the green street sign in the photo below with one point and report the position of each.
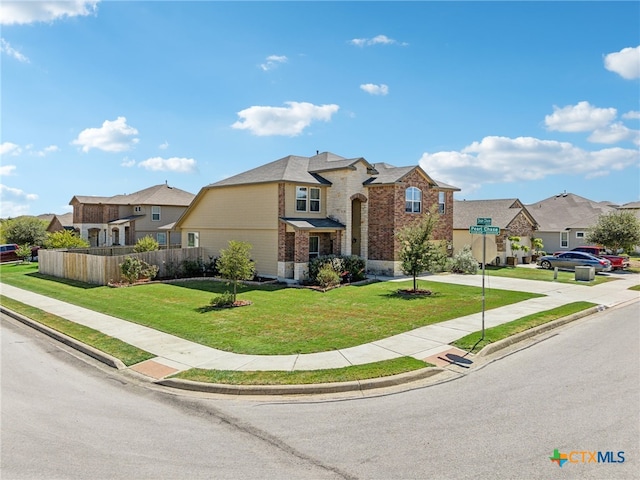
(483, 221)
(484, 230)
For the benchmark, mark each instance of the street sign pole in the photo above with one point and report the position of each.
(484, 262)
(483, 227)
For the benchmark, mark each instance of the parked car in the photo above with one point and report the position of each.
(8, 252)
(571, 260)
(618, 262)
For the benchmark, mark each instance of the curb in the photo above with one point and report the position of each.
(67, 340)
(307, 389)
(532, 332)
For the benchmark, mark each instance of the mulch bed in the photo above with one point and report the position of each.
(409, 292)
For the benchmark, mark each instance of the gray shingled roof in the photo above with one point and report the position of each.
(308, 170)
(313, 223)
(161, 194)
(502, 212)
(567, 210)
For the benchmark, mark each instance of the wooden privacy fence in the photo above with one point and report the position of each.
(101, 269)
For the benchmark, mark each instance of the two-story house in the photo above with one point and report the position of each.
(124, 219)
(297, 208)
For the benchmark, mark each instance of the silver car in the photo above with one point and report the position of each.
(571, 260)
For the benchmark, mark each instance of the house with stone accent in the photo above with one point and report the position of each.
(509, 214)
(124, 219)
(297, 208)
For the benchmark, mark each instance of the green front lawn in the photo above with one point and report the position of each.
(280, 321)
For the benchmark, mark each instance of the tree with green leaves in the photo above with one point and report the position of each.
(65, 239)
(146, 244)
(616, 231)
(25, 229)
(418, 253)
(235, 264)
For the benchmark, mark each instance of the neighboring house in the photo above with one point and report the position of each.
(564, 220)
(510, 215)
(61, 222)
(297, 208)
(124, 219)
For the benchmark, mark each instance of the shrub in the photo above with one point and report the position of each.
(349, 268)
(223, 300)
(24, 253)
(133, 269)
(355, 267)
(146, 244)
(65, 239)
(327, 277)
(464, 261)
(192, 268)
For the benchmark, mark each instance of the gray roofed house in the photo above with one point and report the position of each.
(565, 219)
(124, 219)
(61, 222)
(509, 214)
(296, 208)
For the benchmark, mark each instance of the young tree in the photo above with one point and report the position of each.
(65, 239)
(235, 264)
(616, 230)
(417, 253)
(146, 244)
(25, 229)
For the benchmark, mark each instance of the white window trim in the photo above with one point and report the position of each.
(412, 201)
(160, 235)
(156, 210)
(564, 243)
(581, 235)
(196, 240)
(442, 205)
(308, 200)
(316, 253)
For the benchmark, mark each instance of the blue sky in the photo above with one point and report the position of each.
(501, 99)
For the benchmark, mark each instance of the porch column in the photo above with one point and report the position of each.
(301, 255)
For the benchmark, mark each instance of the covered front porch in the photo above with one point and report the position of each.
(301, 239)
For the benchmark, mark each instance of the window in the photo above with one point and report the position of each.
(307, 199)
(413, 200)
(155, 214)
(192, 239)
(441, 203)
(137, 209)
(564, 239)
(162, 238)
(314, 199)
(314, 247)
(580, 235)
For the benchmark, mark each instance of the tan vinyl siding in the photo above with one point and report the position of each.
(290, 202)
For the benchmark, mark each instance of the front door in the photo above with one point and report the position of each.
(356, 227)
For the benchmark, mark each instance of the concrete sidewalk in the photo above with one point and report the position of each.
(174, 354)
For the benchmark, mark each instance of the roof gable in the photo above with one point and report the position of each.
(501, 211)
(567, 211)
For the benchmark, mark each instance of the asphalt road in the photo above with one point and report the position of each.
(578, 390)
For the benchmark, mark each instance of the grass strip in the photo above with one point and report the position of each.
(280, 320)
(128, 354)
(543, 275)
(380, 369)
(500, 332)
(635, 288)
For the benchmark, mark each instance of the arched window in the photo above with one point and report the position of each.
(413, 200)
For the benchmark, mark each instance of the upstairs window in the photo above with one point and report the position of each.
(137, 209)
(155, 214)
(307, 199)
(441, 203)
(413, 200)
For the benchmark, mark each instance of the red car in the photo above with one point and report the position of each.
(618, 262)
(8, 252)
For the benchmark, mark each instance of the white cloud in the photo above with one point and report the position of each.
(377, 40)
(25, 12)
(625, 63)
(614, 133)
(8, 148)
(163, 146)
(14, 202)
(374, 89)
(290, 120)
(113, 136)
(632, 115)
(5, 47)
(173, 164)
(502, 159)
(6, 170)
(273, 61)
(582, 117)
(45, 151)
(127, 163)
